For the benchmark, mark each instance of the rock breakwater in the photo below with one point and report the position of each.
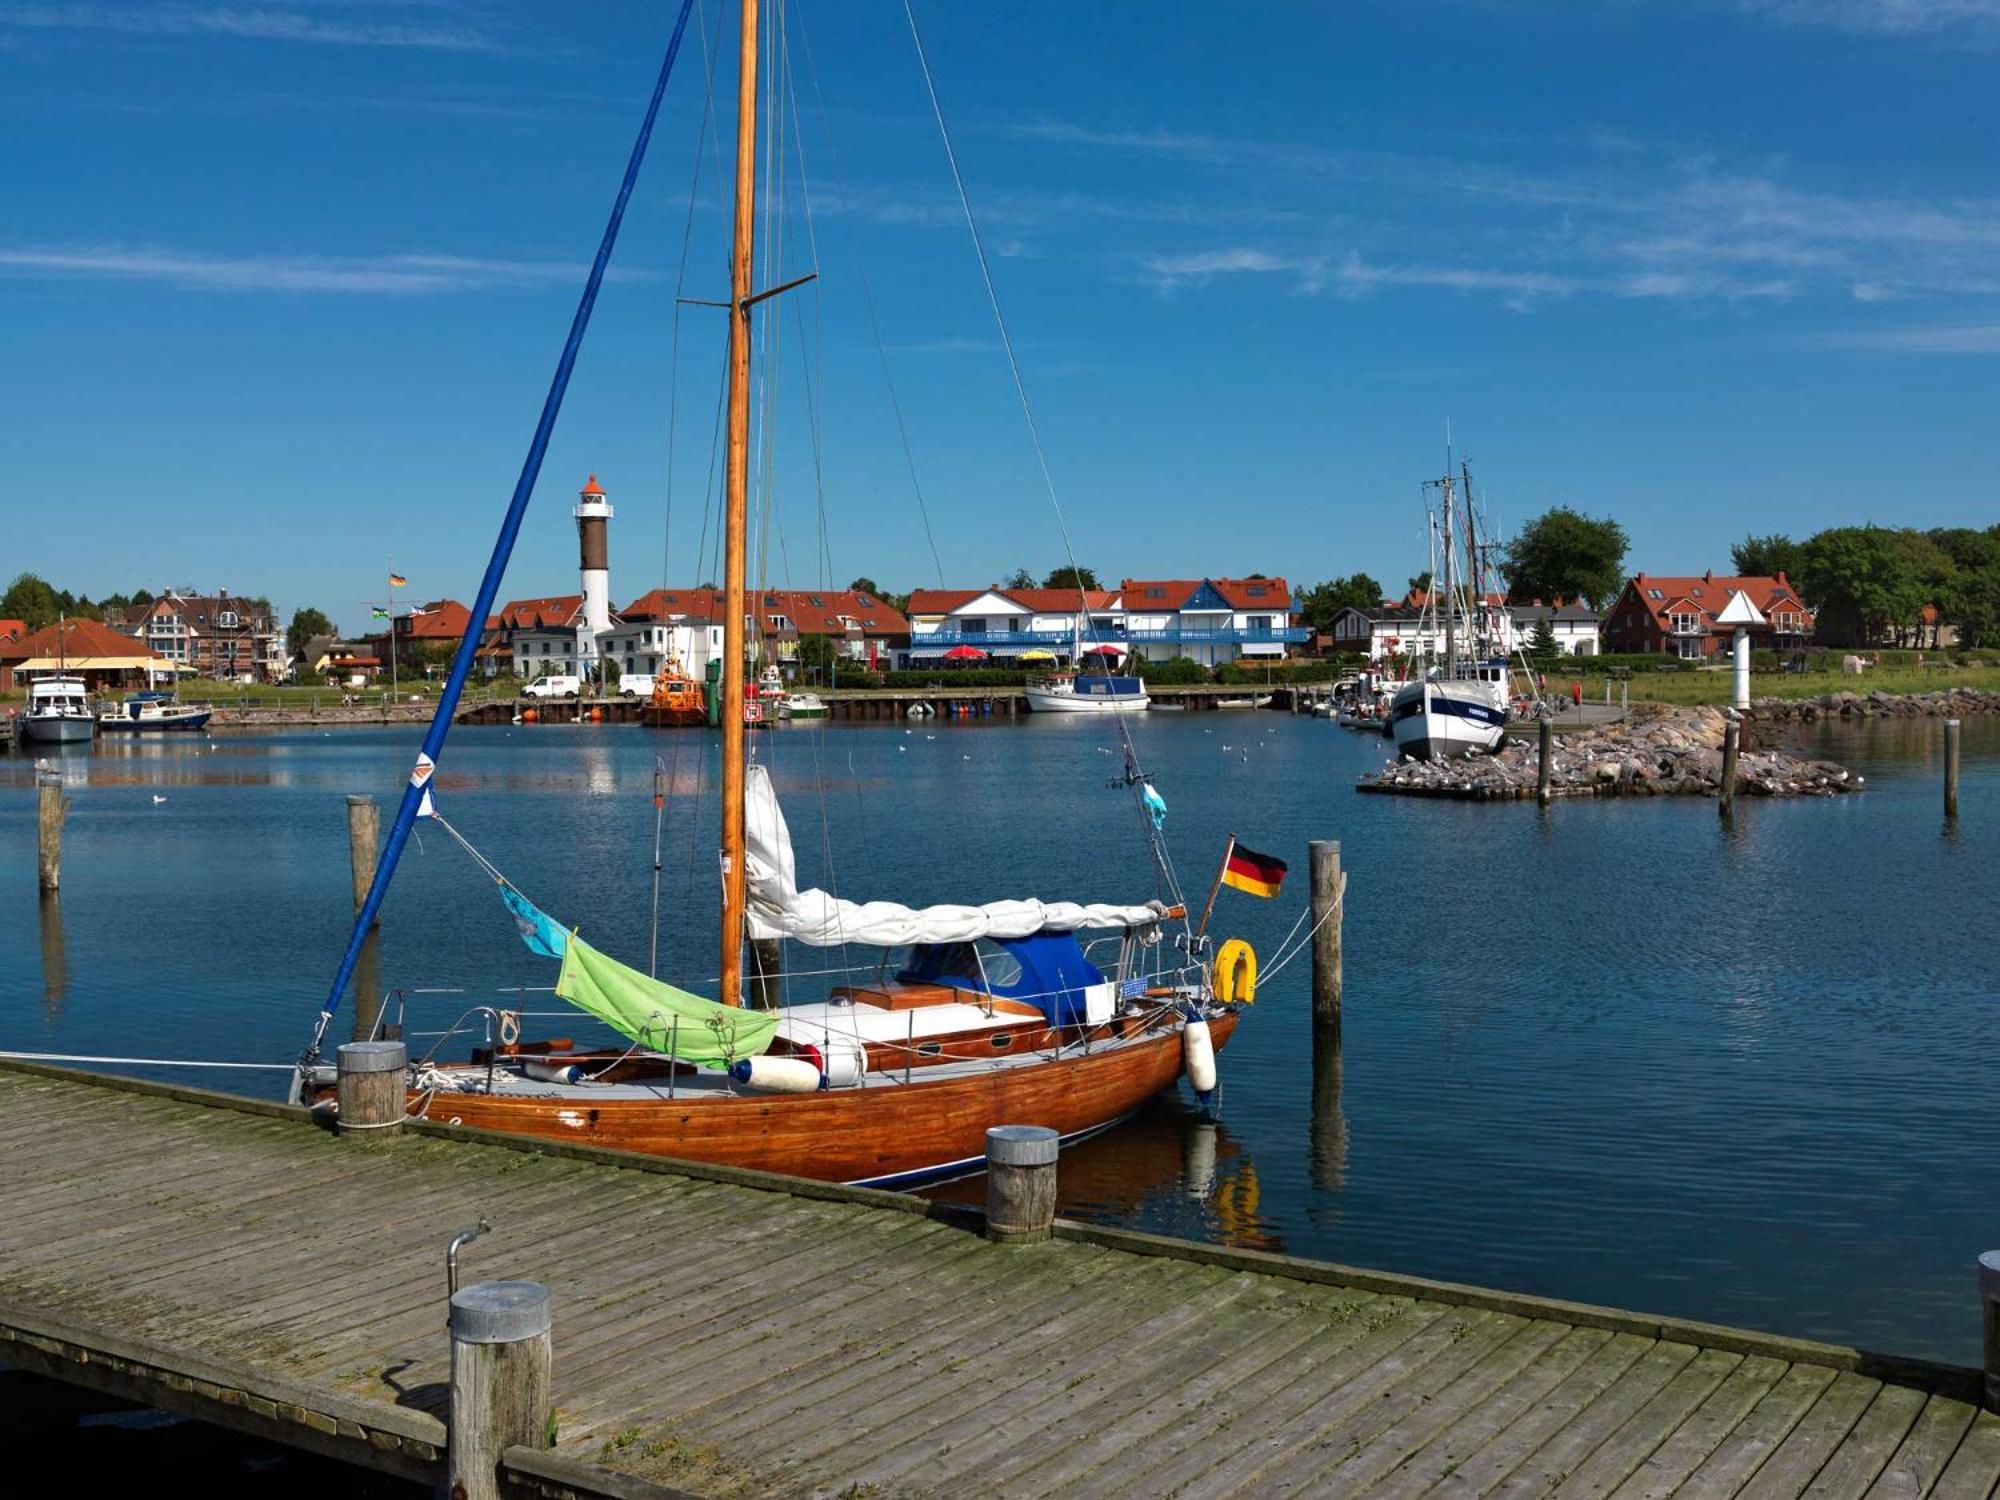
(1658, 751)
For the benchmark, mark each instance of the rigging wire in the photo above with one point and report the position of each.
(1134, 775)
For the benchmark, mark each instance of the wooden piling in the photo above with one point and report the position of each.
(1545, 764)
(1732, 737)
(1329, 891)
(1989, 1320)
(1020, 1183)
(364, 823)
(368, 1084)
(53, 808)
(1951, 735)
(501, 1354)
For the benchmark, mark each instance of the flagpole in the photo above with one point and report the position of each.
(395, 688)
(1220, 871)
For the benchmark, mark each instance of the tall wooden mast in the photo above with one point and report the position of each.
(734, 637)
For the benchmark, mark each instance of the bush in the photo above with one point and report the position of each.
(1280, 673)
(953, 676)
(1179, 671)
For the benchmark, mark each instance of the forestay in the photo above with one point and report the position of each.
(779, 909)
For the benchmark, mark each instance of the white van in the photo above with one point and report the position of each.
(547, 686)
(635, 685)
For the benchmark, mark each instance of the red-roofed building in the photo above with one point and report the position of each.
(99, 654)
(1215, 621)
(534, 637)
(686, 625)
(221, 635)
(1676, 616)
(1008, 623)
(425, 637)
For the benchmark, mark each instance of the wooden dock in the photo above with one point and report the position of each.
(727, 1333)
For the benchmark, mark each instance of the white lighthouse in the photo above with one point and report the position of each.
(593, 517)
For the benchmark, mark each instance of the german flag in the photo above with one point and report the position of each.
(397, 580)
(1254, 873)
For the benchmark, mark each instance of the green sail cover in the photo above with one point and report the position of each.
(645, 1010)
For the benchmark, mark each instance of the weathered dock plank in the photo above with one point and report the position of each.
(736, 1334)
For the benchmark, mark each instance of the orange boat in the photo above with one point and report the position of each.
(677, 701)
(998, 1013)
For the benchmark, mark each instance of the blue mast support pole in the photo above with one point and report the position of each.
(496, 566)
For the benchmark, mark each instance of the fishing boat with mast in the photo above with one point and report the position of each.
(1009, 1011)
(1455, 703)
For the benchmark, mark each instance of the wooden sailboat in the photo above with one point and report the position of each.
(998, 1014)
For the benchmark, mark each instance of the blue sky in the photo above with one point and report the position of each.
(281, 284)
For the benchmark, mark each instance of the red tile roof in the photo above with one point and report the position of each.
(80, 641)
(1708, 593)
(12, 627)
(1036, 601)
(552, 612)
(1235, 592)
(942, 601)
(442, 620)
(811, 611)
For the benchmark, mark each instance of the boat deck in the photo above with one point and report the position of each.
(735, 1334)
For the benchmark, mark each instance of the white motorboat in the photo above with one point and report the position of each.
(1087, 693)
(58, 712)
(802, 706)
(144, 713)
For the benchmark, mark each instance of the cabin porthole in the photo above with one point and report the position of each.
(929, 1049)
(1002, 1041)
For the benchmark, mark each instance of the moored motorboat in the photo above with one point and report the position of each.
(58, 712)
(1087, 692)
(152, 713)
(802, 706)
(677, 701)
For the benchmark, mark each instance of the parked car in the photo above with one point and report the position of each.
(553, 686)
(634, 685)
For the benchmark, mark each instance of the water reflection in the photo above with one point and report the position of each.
(1327, 1151)
(1169, 1169)
(55, 958)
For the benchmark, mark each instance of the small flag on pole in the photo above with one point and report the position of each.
(379, 613)
(1253, 873)
(397, 580)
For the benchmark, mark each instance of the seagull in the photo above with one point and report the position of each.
(158, 799)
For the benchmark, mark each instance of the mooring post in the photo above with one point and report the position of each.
(48, 828)
(767, 972)
(1989, 1318)
(364, 821)
(368, 1083)
(1329, 888)
(501, 1350)
(1951, 731)
(1732, 738)
(1545, 765)
(1020, 1183)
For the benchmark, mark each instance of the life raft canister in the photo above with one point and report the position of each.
(1236, 972)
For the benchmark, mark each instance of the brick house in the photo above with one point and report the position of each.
(1676, 616)
(218, 635)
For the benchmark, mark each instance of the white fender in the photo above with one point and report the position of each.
(845, 1059)
(1198, 1056)
(777, 1075)
(549, 1072)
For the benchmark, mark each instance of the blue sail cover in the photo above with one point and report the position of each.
(1054, 972)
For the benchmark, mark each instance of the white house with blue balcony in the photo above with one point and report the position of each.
(1215, 621)
(1006, 625)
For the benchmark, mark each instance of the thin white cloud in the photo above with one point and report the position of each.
(386, 275)
(255, 23)
(1966, 338)
(1882, 17)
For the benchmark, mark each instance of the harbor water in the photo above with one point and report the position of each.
(1616, 1051)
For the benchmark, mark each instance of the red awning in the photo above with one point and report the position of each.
(965, 653)
(1104, 651)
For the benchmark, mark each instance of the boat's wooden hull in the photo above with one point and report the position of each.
(886, 1134)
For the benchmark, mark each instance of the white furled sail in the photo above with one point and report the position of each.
(777, 908)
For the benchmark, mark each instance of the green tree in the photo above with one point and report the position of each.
(1542, 647)
(1971, 601)
(306, 623)
(1320, 602)
(1871, 583)
(1563, 554)
(31, 601)
(817, 654)
(1020, 578)
(1421, 584)
(1071, 578)
(1766, 556)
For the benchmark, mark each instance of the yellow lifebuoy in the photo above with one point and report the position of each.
(1236, 972)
